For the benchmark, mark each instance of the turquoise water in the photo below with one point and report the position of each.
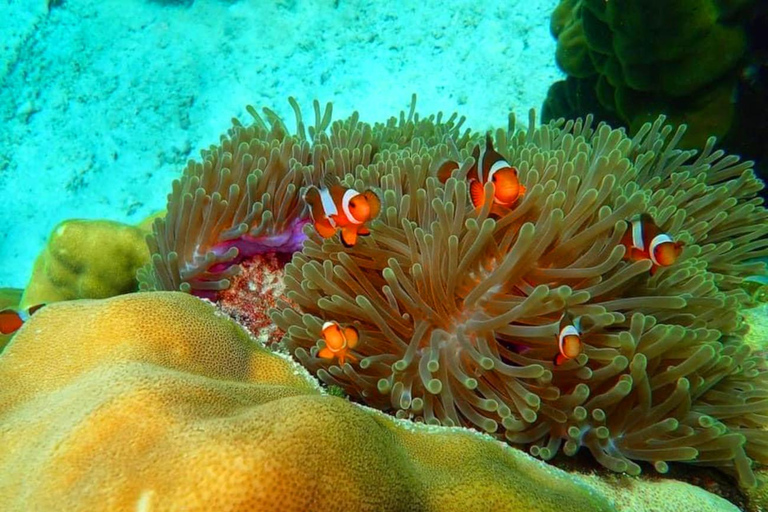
(103, 102)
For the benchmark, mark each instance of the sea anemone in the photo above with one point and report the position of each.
(243, 198)
(458, 309)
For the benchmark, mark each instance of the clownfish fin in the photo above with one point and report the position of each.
(476, 153)
(499, 210)
(647, 219)
(10, 321)
(477, 193)
(349, 236)
(373, 202)
(363, 231)
(446, 169)
(312, 196)
(352, 336)
(324, 228)
(522, 189)
(325, 353)
(491, 155)
(315, 202)
(32, 309)
(488, 142)
(559, 359)
(654, 269)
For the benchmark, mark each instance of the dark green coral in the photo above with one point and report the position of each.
(632, 60)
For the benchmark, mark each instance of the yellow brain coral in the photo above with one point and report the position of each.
(156, 402)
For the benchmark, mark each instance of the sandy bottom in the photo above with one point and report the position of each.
(103, 102)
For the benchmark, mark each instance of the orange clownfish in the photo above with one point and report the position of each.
(489, 166)
(645, 241)
(338, 342)
(12, 320)
(568, 339)
(337, 207)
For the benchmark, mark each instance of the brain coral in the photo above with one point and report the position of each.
(157, 402)
(458, 309)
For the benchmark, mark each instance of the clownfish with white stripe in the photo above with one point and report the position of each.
(12, 320)
(645, 241)
(491, 167)
(568, 339)
(338, 342)
(336, 207)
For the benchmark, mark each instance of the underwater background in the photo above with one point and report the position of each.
(104, 102)
(453, 255)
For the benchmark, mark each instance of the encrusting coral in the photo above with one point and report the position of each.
(156, 401)
(458, 310)
(87, 259)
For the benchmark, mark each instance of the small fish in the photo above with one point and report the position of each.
(338, 342)
(12, 320)
(445, 169)
(489, 166)
(336, 207)
(568, 339)
(645, 241)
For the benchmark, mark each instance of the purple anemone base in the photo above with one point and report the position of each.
(282, 244)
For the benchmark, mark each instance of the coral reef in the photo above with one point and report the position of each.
(87, 259)
(692, 60)
(155, 401)
(458, 309)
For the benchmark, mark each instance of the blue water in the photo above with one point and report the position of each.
(103, 102)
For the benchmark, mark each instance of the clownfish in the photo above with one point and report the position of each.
(12, 320)
(336, 207)
(338, 342)
(645, 241)
(489, 166)
(568, 339)
(445, 169)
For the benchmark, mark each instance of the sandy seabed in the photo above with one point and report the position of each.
(103, 102)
